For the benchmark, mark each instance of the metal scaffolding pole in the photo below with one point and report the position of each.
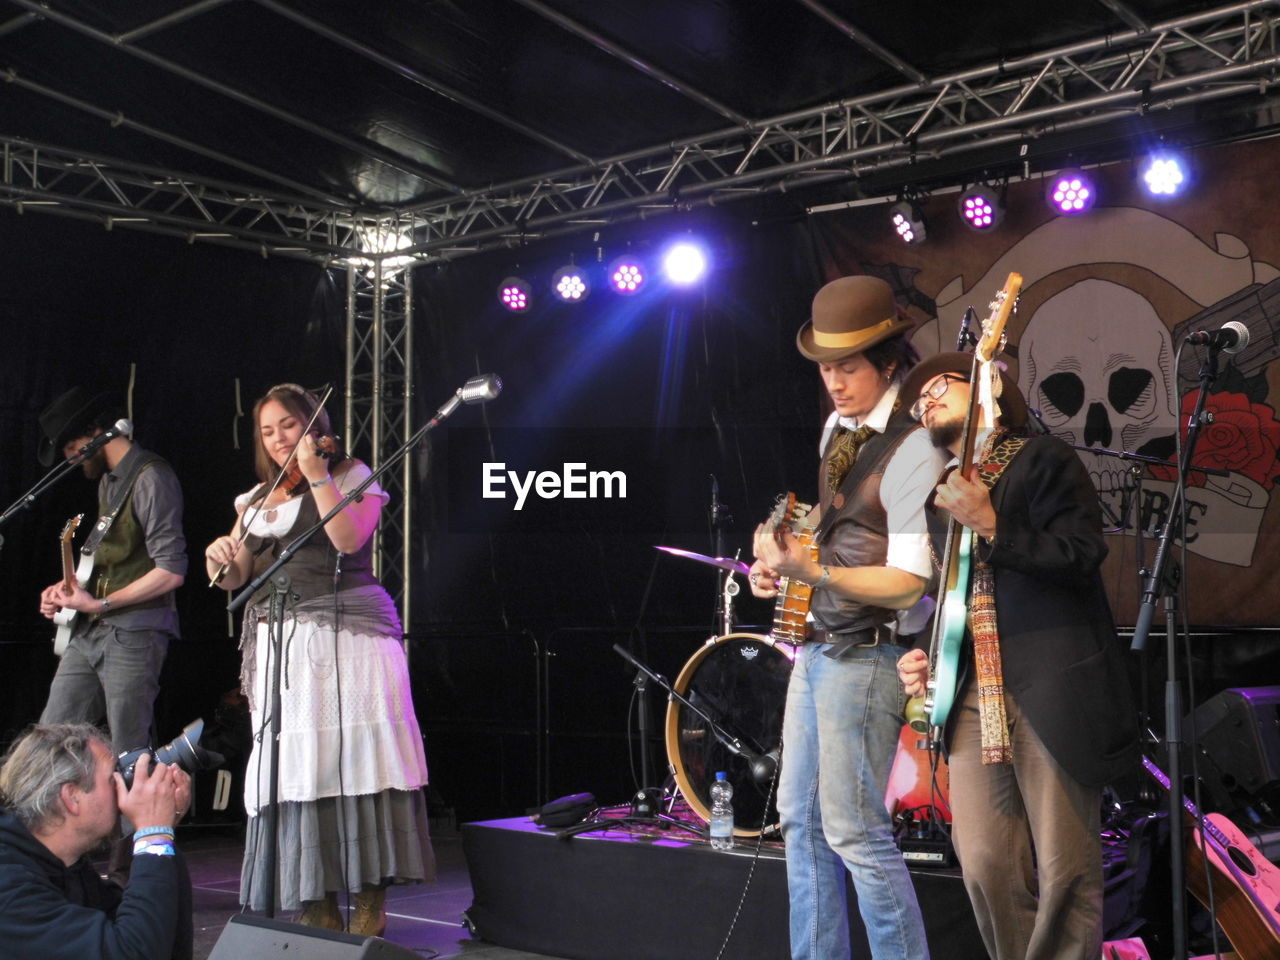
(379, 412)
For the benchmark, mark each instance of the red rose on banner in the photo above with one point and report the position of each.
(1244, 437)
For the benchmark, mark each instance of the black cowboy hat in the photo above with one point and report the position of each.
(1013, 408)
(848, 316)
(61, 420)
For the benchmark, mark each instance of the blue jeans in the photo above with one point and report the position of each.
(839, 737)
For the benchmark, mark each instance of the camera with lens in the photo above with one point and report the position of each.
(184, 751)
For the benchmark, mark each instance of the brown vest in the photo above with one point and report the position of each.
(856, 534)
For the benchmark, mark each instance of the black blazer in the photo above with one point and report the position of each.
(1061, 658)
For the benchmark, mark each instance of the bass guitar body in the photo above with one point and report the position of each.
(944, 668)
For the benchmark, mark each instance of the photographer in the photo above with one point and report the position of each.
(62, 795)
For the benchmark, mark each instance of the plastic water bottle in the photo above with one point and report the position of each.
(721, 813)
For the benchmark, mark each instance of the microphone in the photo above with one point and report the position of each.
(479, 389)
(1231, 337)
(962, 341)
(121, 428)
(764, 766)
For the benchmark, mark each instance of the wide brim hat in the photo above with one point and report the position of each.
(67, 414)
(1013, 406)
(848, 316)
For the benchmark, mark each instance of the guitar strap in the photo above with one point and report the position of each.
(116, 503)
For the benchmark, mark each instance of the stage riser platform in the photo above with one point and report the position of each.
(609, 896)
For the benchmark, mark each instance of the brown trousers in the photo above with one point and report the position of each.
(1029, 841)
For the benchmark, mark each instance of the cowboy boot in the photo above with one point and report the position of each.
(370, 917)
(322, 913)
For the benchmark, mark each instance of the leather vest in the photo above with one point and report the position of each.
(856, 533)
(311, 569)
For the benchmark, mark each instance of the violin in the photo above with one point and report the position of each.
(328, 447)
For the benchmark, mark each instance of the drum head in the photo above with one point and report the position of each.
(740, 682)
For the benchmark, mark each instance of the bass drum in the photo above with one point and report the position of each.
(740, 682)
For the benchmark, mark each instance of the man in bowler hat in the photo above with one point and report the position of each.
(844, 705)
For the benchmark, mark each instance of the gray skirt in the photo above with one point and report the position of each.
(370, 840)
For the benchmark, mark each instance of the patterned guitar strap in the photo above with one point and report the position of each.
(999, 452)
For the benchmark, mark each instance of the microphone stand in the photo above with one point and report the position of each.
(24, 502)
(1161, 582)
(275, 622)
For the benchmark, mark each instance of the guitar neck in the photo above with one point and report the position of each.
(68, 567)
(1210, 828)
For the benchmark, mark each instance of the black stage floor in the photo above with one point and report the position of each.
(423, 918)
(607, 895)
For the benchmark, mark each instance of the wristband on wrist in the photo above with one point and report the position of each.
(153, 832)
(106, 605)
(320, 483)
(823, 580)
(164, 849)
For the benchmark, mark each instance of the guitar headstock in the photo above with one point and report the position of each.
(69, 528)
(992, 340)
(788, 515)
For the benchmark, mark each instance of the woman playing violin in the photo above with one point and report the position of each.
(352, 814)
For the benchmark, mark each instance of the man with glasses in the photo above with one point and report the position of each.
(844, 706)
(1043, 717)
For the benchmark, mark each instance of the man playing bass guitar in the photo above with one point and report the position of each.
(1043, 716)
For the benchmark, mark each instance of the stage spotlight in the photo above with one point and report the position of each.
(684, 263)
(1070, 192)
(908, 222)
(627, 275)
(515, 295)
(981, 208)
(570, 284)
(1164, 175)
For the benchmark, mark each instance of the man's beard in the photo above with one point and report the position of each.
(943, 433)
(95, 465)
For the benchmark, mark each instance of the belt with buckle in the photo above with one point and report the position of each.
(842, 642)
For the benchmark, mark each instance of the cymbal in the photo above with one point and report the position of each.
(724, 563)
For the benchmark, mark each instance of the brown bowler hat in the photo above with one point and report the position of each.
(1013, 408)
(849, 315)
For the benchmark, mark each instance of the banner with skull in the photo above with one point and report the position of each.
(1107, 300)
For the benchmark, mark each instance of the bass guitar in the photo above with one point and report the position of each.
(1245, 884)
(931, 711)
(791, 609)
(71, 575)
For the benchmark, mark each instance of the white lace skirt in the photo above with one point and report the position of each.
(347, 722)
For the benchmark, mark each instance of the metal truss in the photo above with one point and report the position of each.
(1228, 53)
(379, 407)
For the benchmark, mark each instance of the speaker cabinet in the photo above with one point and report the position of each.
(248, 937)
(1238, 732)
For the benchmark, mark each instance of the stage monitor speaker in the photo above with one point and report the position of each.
(257, 938)
(1238, 731)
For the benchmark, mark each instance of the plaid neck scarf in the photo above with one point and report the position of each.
(998, 453)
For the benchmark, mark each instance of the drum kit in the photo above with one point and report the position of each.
(725, 713)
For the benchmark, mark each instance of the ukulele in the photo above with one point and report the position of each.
(949, 623)
(71, 575)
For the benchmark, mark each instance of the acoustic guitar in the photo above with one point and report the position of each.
(791, 608)
(932, 712)
(1246, 885)
(71, 575)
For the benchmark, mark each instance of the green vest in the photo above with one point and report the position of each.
(122, 557)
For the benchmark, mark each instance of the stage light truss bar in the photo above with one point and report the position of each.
(1228, 52)
(379, 411)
